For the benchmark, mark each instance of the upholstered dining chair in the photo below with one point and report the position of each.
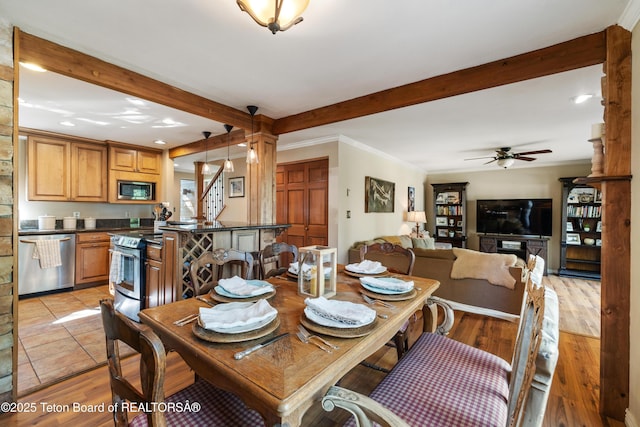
(216, 407)
(402, 262)
(443, 382)
(403, 258)
(278, 256)
(211, 266)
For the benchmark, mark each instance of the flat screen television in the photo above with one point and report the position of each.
(527, 217)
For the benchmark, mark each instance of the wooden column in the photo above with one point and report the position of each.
(261, 185)
(616, 220)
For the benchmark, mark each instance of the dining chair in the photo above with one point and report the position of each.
(443, 382)
(216, 407)
(402, 262)
(278, 255)
(218, 264)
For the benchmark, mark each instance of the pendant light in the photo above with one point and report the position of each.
(228, 164)
(205, 167)
(252, 155)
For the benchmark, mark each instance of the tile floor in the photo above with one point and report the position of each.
(59, 335)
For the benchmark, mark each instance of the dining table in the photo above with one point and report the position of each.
(282, 380)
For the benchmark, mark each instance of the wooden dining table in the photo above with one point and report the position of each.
(282, 380)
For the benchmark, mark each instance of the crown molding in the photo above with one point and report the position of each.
(630, 16)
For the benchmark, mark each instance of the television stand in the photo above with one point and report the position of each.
(521, 246)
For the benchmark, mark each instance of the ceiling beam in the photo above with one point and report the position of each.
(71, 63)
(570, 55)
(214, 142)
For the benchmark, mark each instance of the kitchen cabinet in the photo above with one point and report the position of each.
(64, 170)
(160, 273)
(92, 258)
(131, 159)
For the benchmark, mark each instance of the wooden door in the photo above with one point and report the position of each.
(302, 199)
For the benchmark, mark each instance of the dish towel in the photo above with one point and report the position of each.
(116, 274)
(48, 252)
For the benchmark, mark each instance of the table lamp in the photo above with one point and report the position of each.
(417, 217)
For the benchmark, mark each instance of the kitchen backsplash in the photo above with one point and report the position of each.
(32, 224)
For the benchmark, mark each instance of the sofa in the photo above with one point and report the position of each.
(466, 293)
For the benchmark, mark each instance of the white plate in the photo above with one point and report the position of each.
(384, 291)
(353, 269)
(332, 323)
(245, 328)
(257, 283)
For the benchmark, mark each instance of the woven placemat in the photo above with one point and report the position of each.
(217, 337)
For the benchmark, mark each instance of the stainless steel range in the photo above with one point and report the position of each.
(127, 273)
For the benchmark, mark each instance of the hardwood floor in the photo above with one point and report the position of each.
(573, 400)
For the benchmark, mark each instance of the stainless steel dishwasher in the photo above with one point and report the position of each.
(32, 279)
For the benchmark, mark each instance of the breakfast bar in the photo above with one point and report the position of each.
(282, 380)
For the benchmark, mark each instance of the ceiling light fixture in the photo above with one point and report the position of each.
(228, 164)
(276, 15)
(582, 98)
(252, 155)
(159, 142)
(33, 67)
(506, 162)
(205, 167)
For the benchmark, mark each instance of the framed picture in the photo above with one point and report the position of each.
(411, 202)
(569, 226)
(441, 221)
(441, 198)
(379, 195)
(598, 196)
(599, 227)
(442, 232)
(573, 239)
(236, 186)
(459, 225)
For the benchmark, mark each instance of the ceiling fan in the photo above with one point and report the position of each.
(506, 158)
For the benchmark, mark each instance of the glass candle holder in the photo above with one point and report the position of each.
(317, 268)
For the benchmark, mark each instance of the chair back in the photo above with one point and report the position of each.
(118, 328)
(402, 260)
(527, 347)
(275, 259)
(218, 264)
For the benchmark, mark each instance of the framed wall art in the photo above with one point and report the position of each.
(441, 221)
(411, 202)
(236, 186)
(379, 195)
(573, 239)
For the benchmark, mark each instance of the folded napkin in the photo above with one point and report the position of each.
(238, 286)
(341, 311)
(366, 266)
(234, 314)
(388, 283)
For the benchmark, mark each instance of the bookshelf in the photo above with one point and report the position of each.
(450, 213)
(581, 230)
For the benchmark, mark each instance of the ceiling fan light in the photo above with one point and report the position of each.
(506, 162)
(277, 15)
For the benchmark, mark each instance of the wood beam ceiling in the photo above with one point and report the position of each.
(214, 142)
(570, 55)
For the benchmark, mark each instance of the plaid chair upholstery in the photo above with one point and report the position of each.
(442, 382)
(217, 408)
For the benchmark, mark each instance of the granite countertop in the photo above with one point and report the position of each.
(217, 226)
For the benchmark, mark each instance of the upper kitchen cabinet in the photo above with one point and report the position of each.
(130, 159)
(65, 170)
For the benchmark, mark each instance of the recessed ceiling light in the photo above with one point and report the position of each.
(33, 67)
(136, 101)
(582, 98)
(67, 123)
(159, 141)
(242, 144)
(95, 122)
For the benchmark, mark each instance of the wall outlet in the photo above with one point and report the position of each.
(348, 214)
(76, 214)
(126, 214)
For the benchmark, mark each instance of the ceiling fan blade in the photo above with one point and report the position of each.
(485, 157)
(533, 152)
(491, 161)
(526, 159)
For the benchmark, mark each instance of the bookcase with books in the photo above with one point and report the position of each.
(581, 230)
(450, 213)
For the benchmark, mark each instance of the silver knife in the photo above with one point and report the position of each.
(239, 355)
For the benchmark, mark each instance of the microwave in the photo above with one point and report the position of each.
(135, 190)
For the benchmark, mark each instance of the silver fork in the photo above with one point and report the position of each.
(309, 336)
(306, 340)
(372, 301)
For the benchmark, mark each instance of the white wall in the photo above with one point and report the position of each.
(495, 183)
(633, 414)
